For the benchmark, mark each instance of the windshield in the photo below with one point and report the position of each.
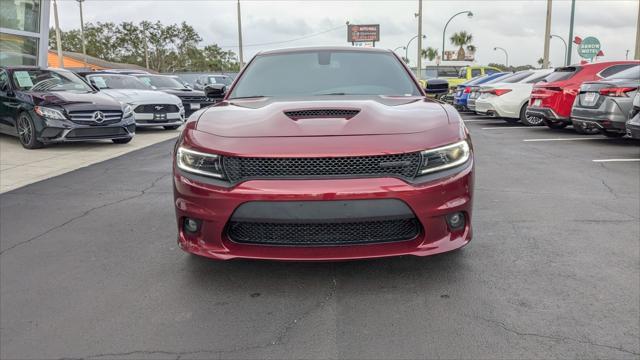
(161, 82)
(49, 80)
(632, 73)
(325, 72)
(219, 80)
(109, 81)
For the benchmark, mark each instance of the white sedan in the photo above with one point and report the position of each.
(509, 100)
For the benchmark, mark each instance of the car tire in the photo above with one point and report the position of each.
(122, 141)
(556, 124)
(613, 134)
(531, 120)
(171, 127)
(27, 132)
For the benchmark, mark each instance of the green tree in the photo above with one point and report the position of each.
(429, 53)
(462, 39)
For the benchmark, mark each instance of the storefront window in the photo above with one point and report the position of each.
(21, 15)
(18, 50)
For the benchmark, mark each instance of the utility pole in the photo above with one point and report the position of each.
(547, 37)
(419, 63)
(240, 36)
(84, 50)
(637, 56)
(146, 48)
(58, 38)
(570, 39)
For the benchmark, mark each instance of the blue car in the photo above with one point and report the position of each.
(462, 91)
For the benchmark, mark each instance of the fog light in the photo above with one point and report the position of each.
(191, 225)
(456, 221)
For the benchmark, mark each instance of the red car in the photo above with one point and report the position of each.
(323, 154)
(552, 99)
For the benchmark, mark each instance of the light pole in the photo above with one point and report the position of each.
(399, 47)
(469, 15)
(505, 53)
(58, 38)
(419, 59)
(565, 47)
(573, 12)
(547, 36)
(84, 50)
(240, 36)
(406, 48)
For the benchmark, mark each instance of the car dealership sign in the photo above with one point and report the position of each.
(589, 48)
(363, 33)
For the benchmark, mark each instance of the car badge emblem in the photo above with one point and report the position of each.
(159, 107)
(98, 117)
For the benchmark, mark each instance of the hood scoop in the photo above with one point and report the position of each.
(321, 114)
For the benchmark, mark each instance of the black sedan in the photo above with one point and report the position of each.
(192, 100)
(42, 106)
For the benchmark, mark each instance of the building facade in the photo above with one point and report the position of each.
(24, 32)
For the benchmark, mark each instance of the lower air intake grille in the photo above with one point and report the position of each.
(323, 234)
(396, 165)
(322, 113)
(96, 133)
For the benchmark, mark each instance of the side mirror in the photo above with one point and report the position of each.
(215, 91)
(436, 87)
(187, 85)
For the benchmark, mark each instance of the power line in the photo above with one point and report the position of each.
(287, 41)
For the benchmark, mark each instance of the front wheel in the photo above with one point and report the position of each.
(529, 120)
(27, 132)
(122, 141)
(171, 127)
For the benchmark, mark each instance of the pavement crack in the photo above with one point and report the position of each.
(557, 338)
(87, 212)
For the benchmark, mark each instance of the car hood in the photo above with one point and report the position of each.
(266, 117)
(64, 98)
(141, 96)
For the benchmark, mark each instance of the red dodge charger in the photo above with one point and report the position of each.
(323, 154)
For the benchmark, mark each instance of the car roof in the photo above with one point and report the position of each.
(323, 48)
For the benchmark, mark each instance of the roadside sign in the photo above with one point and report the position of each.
(589, 48)
(363, 33)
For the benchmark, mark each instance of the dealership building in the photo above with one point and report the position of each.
(24, 32)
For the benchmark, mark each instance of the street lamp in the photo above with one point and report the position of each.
(505, 53)
(399, 47)
(84, 50)
(565, 47)
(406, 48)
(469, 15)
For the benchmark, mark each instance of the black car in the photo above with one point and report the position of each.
(209, 79)
(42, 106)
(192, 100)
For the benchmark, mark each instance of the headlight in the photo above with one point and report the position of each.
(127, 111)
(199, 163)
(49, 113)
(445, 157)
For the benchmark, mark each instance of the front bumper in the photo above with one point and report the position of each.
(166, 119)
(430, 202)
(57, 131)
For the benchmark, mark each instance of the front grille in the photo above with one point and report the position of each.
(156, 109)
(322, 113)
(397, 165)
(95, 133)
(323, 234)
(86, 117)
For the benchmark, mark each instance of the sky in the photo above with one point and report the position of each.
(517, 26)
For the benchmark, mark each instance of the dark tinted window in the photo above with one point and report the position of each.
(499, 78)
(514, 78)
(219, 80)
(490, 71)
(309, 73)
(628, 71)
(562, 74)
(536, 79)
(4, 81)
(475, 72)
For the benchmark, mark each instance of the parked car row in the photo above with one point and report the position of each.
(42, 106)
(593, 98)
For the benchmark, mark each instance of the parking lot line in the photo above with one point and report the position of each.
(569, 139)
(615, 160)
(507, 127)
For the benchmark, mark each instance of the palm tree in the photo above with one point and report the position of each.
(430, 53)
(461, 39)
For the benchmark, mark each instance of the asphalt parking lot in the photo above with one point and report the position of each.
(89, 268)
